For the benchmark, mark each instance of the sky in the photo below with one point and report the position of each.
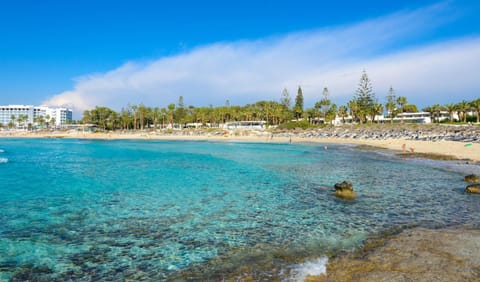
(111, 53)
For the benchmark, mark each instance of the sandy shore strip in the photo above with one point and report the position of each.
(454, 149)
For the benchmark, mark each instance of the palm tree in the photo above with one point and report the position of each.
(39, 121)
(171, 109)
(331, 113)
(437, 108)
(134, 109)
(47, 119)
(402, 101)
(12, 119)
(377, 109)
(156, 115)
(475, 105)
(342, 112)
(451, 108)
(353, 106)
(463, 107)
(22, 119)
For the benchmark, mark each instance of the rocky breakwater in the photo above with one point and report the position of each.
(421, 132)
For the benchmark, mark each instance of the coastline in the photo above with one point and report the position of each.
(416, 254)
(337, 264)
(447, 150)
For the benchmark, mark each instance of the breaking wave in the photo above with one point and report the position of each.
(312, 267)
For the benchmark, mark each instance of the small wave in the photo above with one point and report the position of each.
(312, 267)
(3, 160)
(2, 151)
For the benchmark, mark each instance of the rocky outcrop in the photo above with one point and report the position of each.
(474, 188)
(472, 178)
(344, 190)
(414, 255)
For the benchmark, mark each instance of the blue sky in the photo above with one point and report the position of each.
(83, 53)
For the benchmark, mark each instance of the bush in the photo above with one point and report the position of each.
(472, 118)
(291, 125)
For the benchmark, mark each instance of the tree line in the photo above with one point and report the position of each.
(363, 108)
(21, 121)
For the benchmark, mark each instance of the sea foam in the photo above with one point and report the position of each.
(3, 160)
(2, 151)
(312, 267)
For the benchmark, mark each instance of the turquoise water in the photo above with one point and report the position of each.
(111, 210)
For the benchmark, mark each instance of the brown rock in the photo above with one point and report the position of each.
(344, 190)
(473, 188)
(414, 255)
(349, 195)
(472, 178)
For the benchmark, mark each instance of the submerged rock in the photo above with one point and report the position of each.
(472, 178)
(473, 188)
(344, 190)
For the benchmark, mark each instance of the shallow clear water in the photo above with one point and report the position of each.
(110, 210)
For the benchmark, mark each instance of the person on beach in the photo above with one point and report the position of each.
(404, 147)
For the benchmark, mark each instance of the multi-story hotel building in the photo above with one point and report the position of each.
(30, 114)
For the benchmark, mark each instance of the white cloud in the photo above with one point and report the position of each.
(249, 71)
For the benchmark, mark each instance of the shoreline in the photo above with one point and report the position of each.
(414, 254)
(337, 264)
(437, 150)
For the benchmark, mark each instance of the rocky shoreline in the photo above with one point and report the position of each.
(414, 255)
(418, 132)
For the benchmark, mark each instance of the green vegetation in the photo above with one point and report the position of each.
(292, 125)
(363, 108)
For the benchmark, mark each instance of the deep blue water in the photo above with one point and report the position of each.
(112, 210)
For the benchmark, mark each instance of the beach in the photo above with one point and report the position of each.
(434, 147)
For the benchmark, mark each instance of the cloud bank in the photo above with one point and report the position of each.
(249, 71)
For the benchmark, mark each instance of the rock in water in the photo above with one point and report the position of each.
(474, 188)
(472, 178)
(344, 190)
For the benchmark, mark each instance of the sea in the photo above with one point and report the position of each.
(116, 210)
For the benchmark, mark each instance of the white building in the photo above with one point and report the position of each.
(261, 124)
(22, 115)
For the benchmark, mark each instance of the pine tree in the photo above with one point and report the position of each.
(180, 111)
(286, 102)
(365, 97)
(298, 109)
(391, 102)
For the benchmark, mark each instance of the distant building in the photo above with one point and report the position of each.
(419, 117)
(261, 124)
(28, 114)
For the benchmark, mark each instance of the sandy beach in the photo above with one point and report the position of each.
(450, 149)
